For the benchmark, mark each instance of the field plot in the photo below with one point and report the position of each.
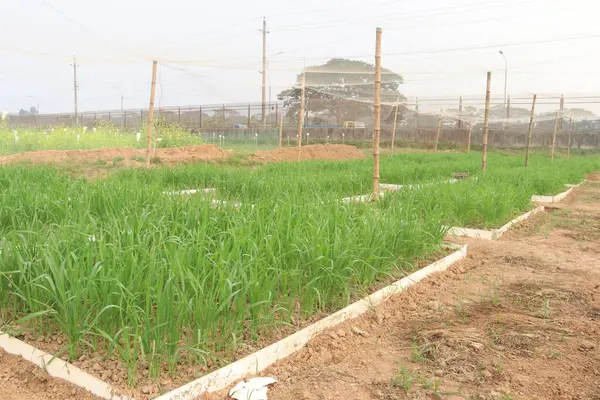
(149, 290)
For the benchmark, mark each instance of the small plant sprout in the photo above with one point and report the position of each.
(78, 137)
(85, 129)
(94, 129)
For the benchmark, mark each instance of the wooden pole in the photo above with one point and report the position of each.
(554, 136)
(508, 110)
(486, 117)
(200, 117)
(394, 129)
(469, 137)
(530, 130)
(439, 130)
(570, 137)
(377, 114)
(281, 131)
(151, 114)
(301, 113)
(249, 116)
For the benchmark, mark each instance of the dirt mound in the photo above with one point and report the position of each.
(124, 156)
(310, 152)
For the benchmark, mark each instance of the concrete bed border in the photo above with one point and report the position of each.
(493, 234)
(57, 368)
(259, 361)
(559, 197)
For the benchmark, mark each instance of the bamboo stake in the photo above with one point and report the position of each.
(394, 130)
(377, 115)
(486, 116)
(281, 131)
(151, 114)
(530, 130)
(301, 115)
(554, 136)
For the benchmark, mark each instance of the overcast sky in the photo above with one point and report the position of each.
(210, 52)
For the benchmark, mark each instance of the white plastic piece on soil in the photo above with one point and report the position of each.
(58, 368)
(192, 191)
(252, 389)
(262, 359)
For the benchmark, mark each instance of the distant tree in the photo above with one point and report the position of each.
(579, 113)
(33, 110)
(341, 90)
(23, 112)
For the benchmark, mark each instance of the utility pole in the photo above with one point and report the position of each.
(264, 72)
(75, 88)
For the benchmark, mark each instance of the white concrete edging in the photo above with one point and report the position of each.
(559, 197)
(259, 361)
(58, 368)
(493, 234)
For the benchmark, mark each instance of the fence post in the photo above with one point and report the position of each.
(460, 108)
(200, 118)
(95, 119)
(469, 137)
(486, 116)
(179, 115)
(570, 137)
(554, 136)
(394, 130)
(562, 109)
(125, 119)
(530, 130)
(439, 130)
(109, 116)
(248, 115)
(276, 113)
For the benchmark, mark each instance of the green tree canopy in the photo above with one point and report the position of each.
(341, 90)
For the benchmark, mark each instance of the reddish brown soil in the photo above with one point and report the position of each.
(121, 156)
(21, 380)
(310, 152)
(518, 319)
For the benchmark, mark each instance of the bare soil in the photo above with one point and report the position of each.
(518, 319)
(21, 380)
(310, 152)
(127, 157)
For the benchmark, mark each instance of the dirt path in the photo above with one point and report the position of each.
(21, 380)
(519, 319)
